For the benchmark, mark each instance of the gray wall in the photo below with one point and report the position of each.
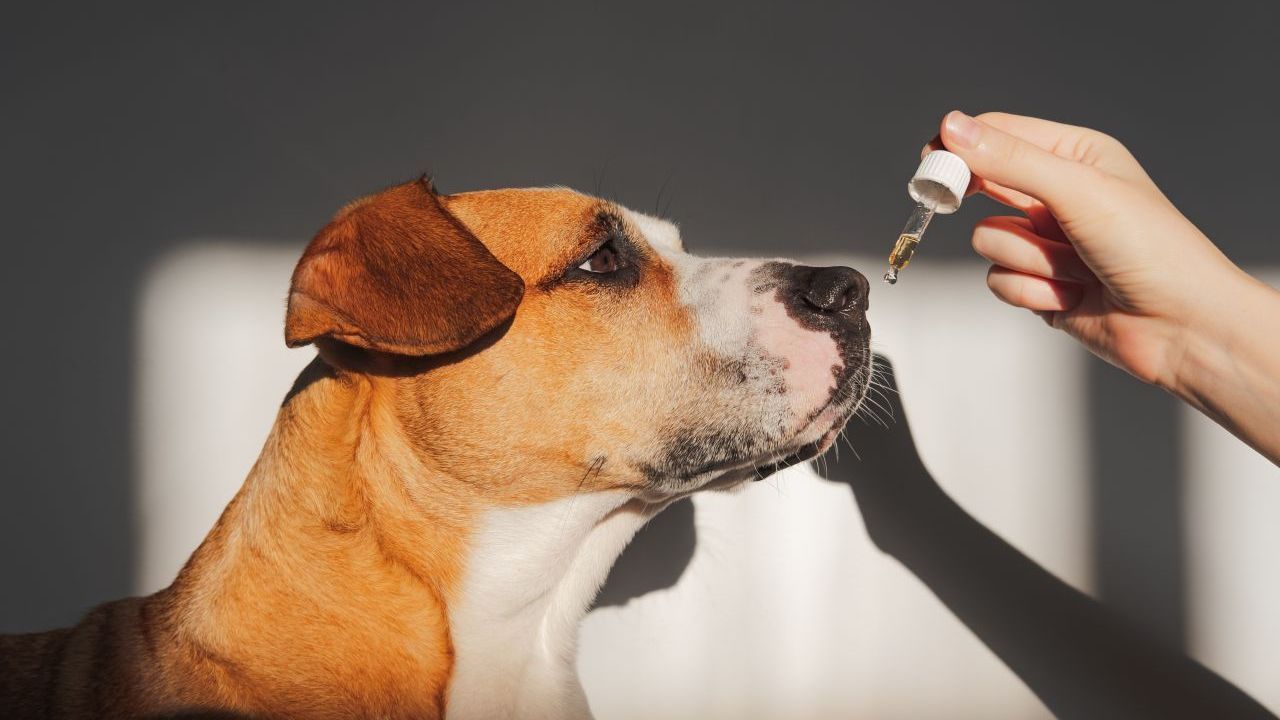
(761, 128)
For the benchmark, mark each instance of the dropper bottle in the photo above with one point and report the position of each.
(937, 187)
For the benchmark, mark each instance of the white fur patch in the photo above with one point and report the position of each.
(734, 322)
(531, 575)
(662, 234)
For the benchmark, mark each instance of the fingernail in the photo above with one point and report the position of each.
(962, 130)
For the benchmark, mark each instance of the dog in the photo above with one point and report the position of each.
(508, 384)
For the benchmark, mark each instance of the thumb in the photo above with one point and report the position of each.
(1064, 186)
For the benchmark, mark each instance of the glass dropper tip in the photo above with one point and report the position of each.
(891, 277)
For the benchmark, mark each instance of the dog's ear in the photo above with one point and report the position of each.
(396, 272)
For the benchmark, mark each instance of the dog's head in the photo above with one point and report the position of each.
(537, 343)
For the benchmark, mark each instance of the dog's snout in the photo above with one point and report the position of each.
(834, 289)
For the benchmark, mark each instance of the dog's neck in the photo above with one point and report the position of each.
(531, 576)
(358, 580)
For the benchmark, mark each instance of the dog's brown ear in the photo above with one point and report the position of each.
(396, 272)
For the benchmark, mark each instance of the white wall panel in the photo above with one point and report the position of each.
(786, 610)
(1233, 541)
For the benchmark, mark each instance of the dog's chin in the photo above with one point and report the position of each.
(804, 453)
(815, 438)
(820, 433)
(832, 419)
(738, 477)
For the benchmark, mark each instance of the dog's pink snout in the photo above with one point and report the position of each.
(810, 358)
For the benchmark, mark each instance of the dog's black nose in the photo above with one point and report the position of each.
(833, 289)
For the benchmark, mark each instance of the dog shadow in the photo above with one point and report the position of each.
(656, 558)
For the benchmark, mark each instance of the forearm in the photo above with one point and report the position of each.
(1230, 369)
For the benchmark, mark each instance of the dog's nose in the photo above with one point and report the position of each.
(833, 289)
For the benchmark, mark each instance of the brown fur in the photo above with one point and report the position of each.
(324, 588)
(398, 273)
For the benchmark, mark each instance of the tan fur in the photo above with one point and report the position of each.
(324, 588)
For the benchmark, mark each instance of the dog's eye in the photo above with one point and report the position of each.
(603, 261)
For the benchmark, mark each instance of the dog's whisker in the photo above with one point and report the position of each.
(599, 178)
(597, 464)
(880, 391)
(876, 402)
(884, 388)
(658, 210)
(872, 403)
(868, 414)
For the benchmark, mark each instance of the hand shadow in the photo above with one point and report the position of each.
(1081, 659)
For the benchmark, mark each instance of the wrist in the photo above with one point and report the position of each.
(1231, 314)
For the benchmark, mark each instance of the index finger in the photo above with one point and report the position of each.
(1072, 142)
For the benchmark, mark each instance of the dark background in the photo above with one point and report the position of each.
(761, 128)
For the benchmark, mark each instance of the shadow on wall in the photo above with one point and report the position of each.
(655, 559)
(1078, 656)
(1081, 658)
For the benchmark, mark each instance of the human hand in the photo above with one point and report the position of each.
(1101, 253)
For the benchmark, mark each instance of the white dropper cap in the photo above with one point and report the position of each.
(940, 181)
